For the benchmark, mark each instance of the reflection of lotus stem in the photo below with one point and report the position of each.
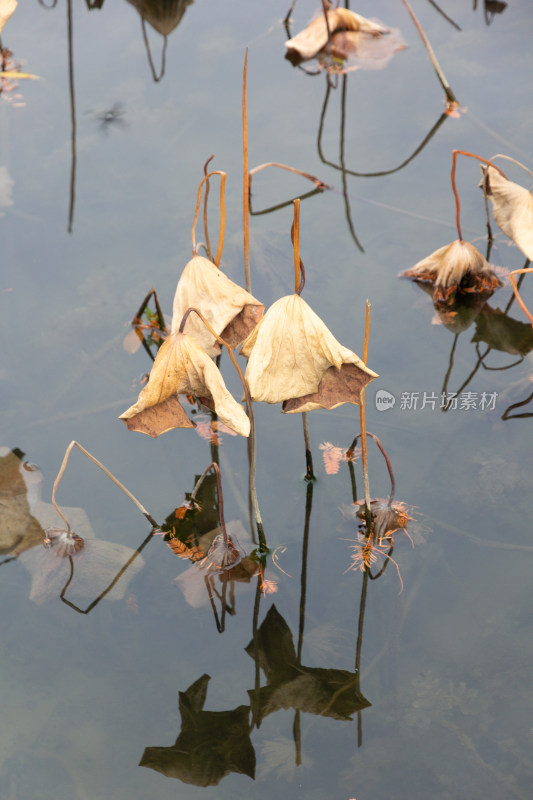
(246, 179)
(199, 482)
(249, 408)
(432, 57)
(317, 181)
(222, 213)
(385, 456)
(109, 474)
(364, 454)
(517, 293)
(456, 153)
(206, 196)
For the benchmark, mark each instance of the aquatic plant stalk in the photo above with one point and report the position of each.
(109, 474)
(250, 411)
(517, 293)
(450, 96)
(362, 417)
(222, 213)
(320, 184)
(206, 197)
(385, 456)
(245, 179)
(456, 153)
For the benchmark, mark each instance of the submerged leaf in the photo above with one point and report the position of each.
(512, 208)
(182, 367)
(230, 310)
(294, 357)
(456, 267)
(314, 37)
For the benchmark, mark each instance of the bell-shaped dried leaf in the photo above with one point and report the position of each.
(295, 359)
(512, 208)
(182, 367)
(458, 266)
(230, 310)
(314, 37)
(7, 7)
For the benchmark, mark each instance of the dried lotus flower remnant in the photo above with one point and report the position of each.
(182, 367)
(456, 267)
(387, 518)
(62, 542)
(315, 36)
(294, 359)
(231, 311)
(512, 208)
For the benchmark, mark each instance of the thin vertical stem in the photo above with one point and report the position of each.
(296, 243)
(199, 482)
(362, 416)
(309, 472)
(456, 153)
(206, 197)
(517, 293)
(222, 213)
(72, 115)
(245, 178)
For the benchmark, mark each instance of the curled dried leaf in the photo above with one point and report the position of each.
(512, 208)
(294, 359)
(230, 310)
(458, 266)
(182, 367)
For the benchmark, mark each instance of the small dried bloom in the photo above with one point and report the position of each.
(63, 543)
(314, 37)
(458, 266)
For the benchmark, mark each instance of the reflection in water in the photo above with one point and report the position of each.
(211, 744)
(491, 8)
(164, 16)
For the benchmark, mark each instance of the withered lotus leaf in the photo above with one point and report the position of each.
(182, 367)
(230, 310)
(7, 7)
(512, 208)
(458, 266)
(314, 37)
(294, 359)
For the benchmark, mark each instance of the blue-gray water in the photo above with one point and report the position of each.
(446, 662)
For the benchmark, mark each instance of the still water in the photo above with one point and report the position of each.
(100, 160)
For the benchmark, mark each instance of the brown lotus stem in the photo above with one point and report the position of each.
(512, 160)
(362, 417)
(385, 456)
(199, 482)
(456, 153)
(309, 471)
(245, 179)
(206, 196)
(517, 293)
(109, 474)
(296, 243)
(451, 98)
(222, 213)
(250, 411)
(299, 286)
(320, 184)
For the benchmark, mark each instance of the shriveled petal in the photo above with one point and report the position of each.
(458, 264)
(314, 37)
(183, 367)
(230, 310)
(512, 209)
(291, 350)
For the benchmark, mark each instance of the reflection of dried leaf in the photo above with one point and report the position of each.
(294, 357)
(7, 7)
(458, 266)
(502, 332)
(211, 744)
(351, 50)
(230, 310)
(332, 456)
(512, 208)
(95, 565)
(386, 518)
(314, 37)
(19, 529)
(327, 692)
(182, 367)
